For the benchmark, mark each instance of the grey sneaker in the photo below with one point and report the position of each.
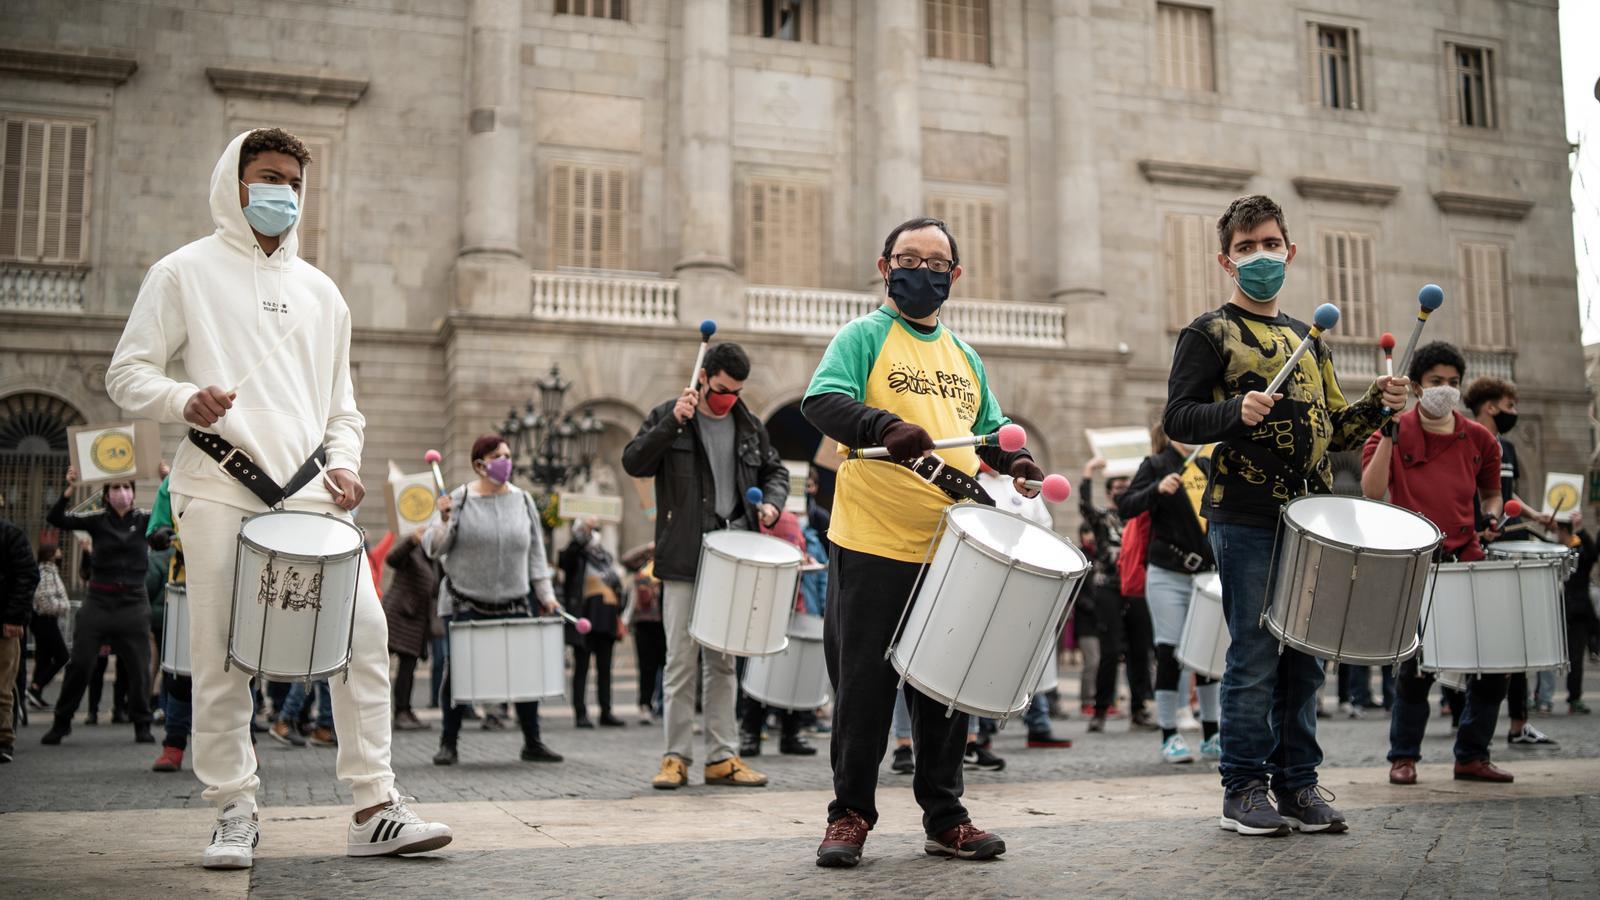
(1309, 812)
(1249, 811)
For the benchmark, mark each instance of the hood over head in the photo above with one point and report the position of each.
(229, 215)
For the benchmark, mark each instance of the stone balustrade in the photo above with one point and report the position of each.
(41, 288)
(823, 312)
(1498, 363)
(611, 299)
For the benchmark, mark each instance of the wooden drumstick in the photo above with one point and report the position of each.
(707, 329)
(1430, 298)
(1326, 316)
(1010, 438)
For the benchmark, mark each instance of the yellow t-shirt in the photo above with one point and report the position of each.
(932, 380)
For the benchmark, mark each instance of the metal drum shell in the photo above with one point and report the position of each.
(507, 660)
(324, 641)
(1495, 616)
(1204, 644)
(175, 631)
(741, 604)
(797, 677)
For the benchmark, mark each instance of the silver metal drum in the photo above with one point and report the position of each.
(1535, 550)
(1496, 615)
(1348, 579)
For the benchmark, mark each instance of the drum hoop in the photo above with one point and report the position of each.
(1306, 647)
(1357, 549)
(1290, 524)
(760, 564)
(301, 557)
(967, 537)
(482, 623)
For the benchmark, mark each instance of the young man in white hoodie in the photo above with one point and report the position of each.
(268, 335)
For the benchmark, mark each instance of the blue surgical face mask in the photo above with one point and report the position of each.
(273, 208)
(1260, 275)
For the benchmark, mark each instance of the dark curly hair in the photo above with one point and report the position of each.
(272, 140)
(730, 358)
(1486, 390)
(1244, 214)
(1438, 353)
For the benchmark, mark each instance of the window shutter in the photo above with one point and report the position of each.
(588, 216)
(616, 215)
(560, 214)
(11, 188)
(77, 199)
(1484, 287)
(1184, 56)
(978, 224)
(1349, 278)
(44, 190)
(1452, 80)
(783, 232)
(1490, 120)
(955, 29)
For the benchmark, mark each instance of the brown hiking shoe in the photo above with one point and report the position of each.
(733, 771)
(1403, 771)
(965, 841)
(674, 774)
(842, 842)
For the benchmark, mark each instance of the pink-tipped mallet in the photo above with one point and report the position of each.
(433, 458)
(1011, 437)
(1387, 343)
(1054, 488)
(584, 626)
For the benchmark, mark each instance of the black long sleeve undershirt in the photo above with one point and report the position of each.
(855, 424)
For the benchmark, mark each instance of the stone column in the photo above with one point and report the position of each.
(1092, 320)
(898, 48)
(491, 275)
(708, 286)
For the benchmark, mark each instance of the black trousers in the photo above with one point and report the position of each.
(1517, 696)
(1577, 649)
(405, 679)
(650, 648)
(599, 647)
(49, 649)
(1125, 631)
(866, 596)
(755, 716)
(123, 621)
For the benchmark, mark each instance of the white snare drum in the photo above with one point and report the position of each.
(988, 608)
(1496, 615)
(743, 592)
(1050, 677)
(507, 660)
(1348, 579)
(1535, 550)
(1205, 641)
(294, 595)
(175, 631)
(796, 678)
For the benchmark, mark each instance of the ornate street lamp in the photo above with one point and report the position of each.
(550, 446)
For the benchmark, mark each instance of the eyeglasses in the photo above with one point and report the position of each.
(937, 265)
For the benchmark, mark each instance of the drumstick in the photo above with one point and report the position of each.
(1194, 455)
(329, 481)
(1387, 343)
(1055, 488)
(1326, 316)
(707, 329)
(433, 457)
(1430, 298)
(275, 348)
(1009, 438)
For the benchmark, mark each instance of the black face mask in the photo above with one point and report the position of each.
(918, 292)
(1505, 421)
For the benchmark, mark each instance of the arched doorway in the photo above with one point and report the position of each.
(33, 465)
(797, 441)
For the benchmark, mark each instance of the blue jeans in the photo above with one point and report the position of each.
(1409, 719)
(1269, 698)
(1037, 715)
(176, 701)
(296, 701)
(438, 652)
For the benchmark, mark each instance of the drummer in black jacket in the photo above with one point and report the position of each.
(704, 449)
(117, 611)
(1178, 552)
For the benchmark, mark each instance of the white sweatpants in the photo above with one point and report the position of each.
(223, 759)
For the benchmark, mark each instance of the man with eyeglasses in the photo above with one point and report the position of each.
(894, 378)
(704, 449)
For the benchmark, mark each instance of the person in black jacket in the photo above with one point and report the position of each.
(590, 589)
(1122, 624)
(117, 611)
(704, 449)
(1178, 552)
(1580, 611)
(19, 577)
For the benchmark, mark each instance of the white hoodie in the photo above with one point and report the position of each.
(223, 304)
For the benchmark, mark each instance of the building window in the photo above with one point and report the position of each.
(45, 169)
(1469, 79)
(1335, 72)
(1184, 52)
(1483, 287)
(783, 233)
(957, 29)
(599, 9)
(979, 227)
(313, 230)
(784, 20)
(1348, 282)
(588, 216)
(1195, 283)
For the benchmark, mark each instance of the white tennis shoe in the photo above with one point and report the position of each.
(234, 840)
(395, 831)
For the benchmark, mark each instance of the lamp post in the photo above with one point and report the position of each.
(551, 445)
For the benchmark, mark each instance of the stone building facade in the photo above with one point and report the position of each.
(505, 184)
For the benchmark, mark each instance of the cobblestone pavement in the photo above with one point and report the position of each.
(1104, 817)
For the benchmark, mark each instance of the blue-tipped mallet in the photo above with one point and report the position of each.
(707, 329)
(1326, 316)
(754, 496)
(1430, 298)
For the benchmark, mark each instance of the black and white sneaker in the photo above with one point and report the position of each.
(980, 757)
(395, 831)
(234, 840)
(1530, 735)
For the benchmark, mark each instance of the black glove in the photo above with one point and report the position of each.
(1027, 469)
(160, 539)
(905, 441)
(1391, 428)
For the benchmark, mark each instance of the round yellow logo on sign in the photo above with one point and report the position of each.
(112, 452)
(415, 503)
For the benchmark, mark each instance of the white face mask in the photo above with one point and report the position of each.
(1439, 401)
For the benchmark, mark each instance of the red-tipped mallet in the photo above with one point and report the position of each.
(707, 329)
(1054, 488)
(1513, 510)
(1009, 438)
(1387, 343)
(432, 457)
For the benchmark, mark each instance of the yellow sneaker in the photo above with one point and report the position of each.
(673, 775)
(733, 771)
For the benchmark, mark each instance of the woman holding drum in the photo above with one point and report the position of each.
(1436, 461)
(490, 542)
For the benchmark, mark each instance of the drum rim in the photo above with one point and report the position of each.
(297, 676)
(301, 557)
(1500, 549)
(947, 702)
(1291, 525)
(761, 564)
(513, 620)
(1502, 562)
(967, 537)
(1309, 649)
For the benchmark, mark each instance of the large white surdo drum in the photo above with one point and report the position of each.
(175, 631)
(796, 678)
(294, 595)
(1496, 615)
(987, 611)
(744, 591)
(507, 660)
(1348, 579)
(1205, 641)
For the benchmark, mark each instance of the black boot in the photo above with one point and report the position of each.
(535, 751)
(750, 744)
(795, 745)
(57, 731)
(141, 733)
(447, 755)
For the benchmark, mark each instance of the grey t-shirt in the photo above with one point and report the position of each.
(718, 436)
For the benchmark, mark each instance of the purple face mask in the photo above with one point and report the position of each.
(498, 470)
(120, 499)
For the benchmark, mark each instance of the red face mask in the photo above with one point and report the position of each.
(720, 403)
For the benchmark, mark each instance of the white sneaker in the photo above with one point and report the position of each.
(395, 831)
(1187, 721)
(1176, 750)
(233, 841)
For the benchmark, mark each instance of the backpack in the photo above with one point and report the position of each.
(1135, 551)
